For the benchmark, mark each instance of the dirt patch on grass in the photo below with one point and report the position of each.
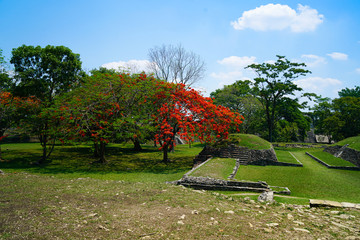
(42, 207)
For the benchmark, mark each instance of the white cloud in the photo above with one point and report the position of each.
(313, 60)
(338, 56)
(319, 85)
(134, 66)
(227, 78)
(279, 17)
(234, 69)
(357, 70)
(235, 61)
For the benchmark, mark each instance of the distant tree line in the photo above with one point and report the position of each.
(272, 111)
(338, 118)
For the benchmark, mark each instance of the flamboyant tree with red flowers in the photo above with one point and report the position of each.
(12, 110)
(136, 107)
(106, 108)
(185, 112)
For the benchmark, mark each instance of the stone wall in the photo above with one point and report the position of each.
(218, 184)
(347, 154)
(245, 155)
(333, 167)
(262, 157)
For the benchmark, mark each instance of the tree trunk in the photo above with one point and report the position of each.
(269, 125)
(43, 142)
(102, 152)
(137, 146)
(96, 150)
(1, 137)
(165, 154)
(46, 149)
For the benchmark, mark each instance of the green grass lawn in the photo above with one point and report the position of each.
(72, 198)
(285, 156)
(354, 142)
(330, 159)
(250, 141)
(313, 180)
(124, 163)
(219, 168)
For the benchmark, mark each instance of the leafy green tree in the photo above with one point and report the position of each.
(6, 83)
(238, 97)
(333, 125)
(290, 112)
(13, 110)
(45, 73)
(287, 131)
(348, 111)
(352, 92)
(338, 118)
(273, 83)
(321, 110)
(108, 108)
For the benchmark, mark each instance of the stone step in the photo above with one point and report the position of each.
(327, 203)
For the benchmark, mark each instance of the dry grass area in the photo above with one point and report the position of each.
(46, 207)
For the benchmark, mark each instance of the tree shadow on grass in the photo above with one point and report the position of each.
(80, 159)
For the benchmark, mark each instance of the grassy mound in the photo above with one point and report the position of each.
(250, 141)
(354, 142)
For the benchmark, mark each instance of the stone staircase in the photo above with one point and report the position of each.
(240, 154)
(243, 158)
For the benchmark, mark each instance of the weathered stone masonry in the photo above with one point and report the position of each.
(347, 154)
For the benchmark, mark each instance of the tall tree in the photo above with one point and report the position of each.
(45, 73)
(238, 97)
(175, 64)
(292, 119)
(321, 110)
(6, 82)
(13, 110)
(350, 92)
(187, 113)
(108, 108)
(274, 81)
(347, 110)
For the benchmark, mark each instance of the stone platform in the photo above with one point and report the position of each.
(327, 203)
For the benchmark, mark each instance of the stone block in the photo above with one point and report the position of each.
(333, 204)
(317, 203)
(348, 205)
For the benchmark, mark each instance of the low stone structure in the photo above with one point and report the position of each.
(207, 183)
(329, 166)
(345, 153)
(327, 203)
(243, 155)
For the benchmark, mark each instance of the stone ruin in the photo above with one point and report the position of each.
(243, 155)
(345, 153)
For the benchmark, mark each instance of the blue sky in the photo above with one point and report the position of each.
(228, 34)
